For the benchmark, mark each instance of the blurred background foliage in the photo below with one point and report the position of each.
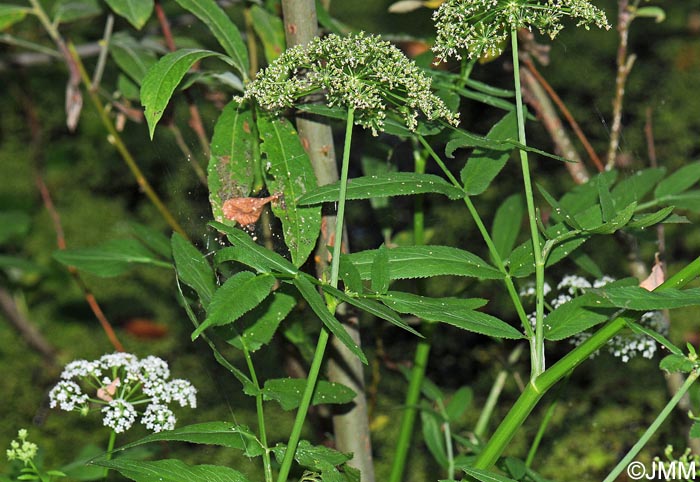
(602, 409)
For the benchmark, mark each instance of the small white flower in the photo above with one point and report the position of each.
(67, 395)
(575, 284)
(560, 300)
(81, 368)
(599, 283)
(183, 392)
(22, 450)
(158, 418)
(119, 415)
(152, 368)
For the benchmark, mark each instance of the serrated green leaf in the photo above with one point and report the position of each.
(155, 240)
(575, 316)
(238, 295)
(680, 181)
(487, 99)
(507, 223)
(65, 11)
(407, 262)
(433, 437)
(246, 251)
(676, 363)
(224, 434)
(559, 213)
(453, 311)
(636, 186)
(270, 30)
(131, 56)
(171, 470)
(318, 459)
(522, 263)
(607, 206)
(660, 339)
(636, 298)
(484, 164)
(109, 259)
(225, 31)
(370, 306)
(384, 185)
(484, 476)
(193, 268)
(313, 298)
(257, 327)
(458, 404)
(231, 170)
(11, 14)
(350, 276)
(645, 220)
(163, 77)
(288, 392)
(292, 175)
(137, 12)
(619, 221)
(461, 138)
(380, 271)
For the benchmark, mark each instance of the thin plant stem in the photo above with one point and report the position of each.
(420, 357)
(104, 49)
(447, 432)
(653, 427)
(495, 393)
(534, 390)
(267, 464)
(498, 261)
(115, 139)
(323, 337)
(537, 348)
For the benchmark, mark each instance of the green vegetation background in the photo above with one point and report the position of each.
(603, 408)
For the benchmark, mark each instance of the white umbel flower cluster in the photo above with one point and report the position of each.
(359, 72)
(624, 346)
(119, 383)
(480, 28)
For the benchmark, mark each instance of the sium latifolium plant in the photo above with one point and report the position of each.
(242, 294)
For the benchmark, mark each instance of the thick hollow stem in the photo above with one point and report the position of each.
(323, 336)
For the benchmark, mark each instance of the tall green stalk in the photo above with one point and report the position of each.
(536, 389)
(323, 337)
(262, 433)
(536, 345)
(420, 357)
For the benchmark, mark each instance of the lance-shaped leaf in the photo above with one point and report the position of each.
(224, 434)
(154, 239)
(431, 424)
(507, 223)
(137, 12)
(270, 29)
(131, 56)
(575, 316)
(232, 162)
(256, 328)
(370, 306)
(636, 298)
(65, 11)
(406, 262)
(635, 187)
(645, 220)
(171, 470)
(680, 181)
(313, 298)
(288, 392)
(225, 31)
(111, 258)
(453, 311)
(248, 252)
(318, 459)
(238, 295)
(193, 269)
(485, 476)
(380, 271)
(162, 79)
(485, 164)
(292, 176)
(384, 185)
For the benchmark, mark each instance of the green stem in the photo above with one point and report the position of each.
(261, 415)
(447, 432)
(495, 393)
(542, 429)
(537, 348)
(323, 336)
(653, 427)
(498, 261)
(420, 357)
(537, 388)
(110, 448)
